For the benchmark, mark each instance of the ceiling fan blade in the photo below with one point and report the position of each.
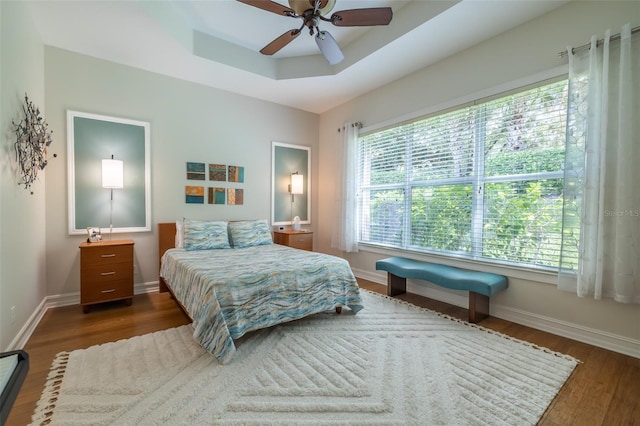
(329, 48)
(270, 6)
(362, 17)
(280, 42)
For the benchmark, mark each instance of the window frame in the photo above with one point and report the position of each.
(476, 179)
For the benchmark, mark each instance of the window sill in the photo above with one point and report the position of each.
(530, 274)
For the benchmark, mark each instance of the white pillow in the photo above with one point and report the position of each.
(179, 234)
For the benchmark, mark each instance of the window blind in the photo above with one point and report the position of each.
(482, 181)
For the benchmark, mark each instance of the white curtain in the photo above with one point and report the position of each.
(345, 228)
(601, 229)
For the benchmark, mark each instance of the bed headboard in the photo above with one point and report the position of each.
(166, 241)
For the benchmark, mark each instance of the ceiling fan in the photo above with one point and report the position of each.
(312, 12)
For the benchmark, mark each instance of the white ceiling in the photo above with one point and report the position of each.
(217, 42)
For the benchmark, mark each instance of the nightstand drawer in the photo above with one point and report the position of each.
(106, 273)
(100, 255)
(302, 240)
(105, 291)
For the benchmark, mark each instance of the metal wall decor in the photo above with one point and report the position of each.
(32, 139)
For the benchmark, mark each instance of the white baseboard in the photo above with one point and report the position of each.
(601, 339)
(612, 342)
(591, 336)
(370, 276)
(143, 288)
(56, 301)
(59, 300)
(27, 329)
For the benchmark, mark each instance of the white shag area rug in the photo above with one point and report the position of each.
(391, 364)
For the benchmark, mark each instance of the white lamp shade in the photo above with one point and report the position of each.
(297, 184)
(329, 47)
(112, 173)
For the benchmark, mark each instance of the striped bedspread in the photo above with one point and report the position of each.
(229, 292)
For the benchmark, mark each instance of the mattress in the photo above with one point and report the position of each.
(229, 292)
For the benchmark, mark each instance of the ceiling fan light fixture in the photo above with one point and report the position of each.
(329, 48)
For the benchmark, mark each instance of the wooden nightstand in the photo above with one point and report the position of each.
(106, 272)
(302, 240)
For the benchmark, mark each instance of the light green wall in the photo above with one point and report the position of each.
(22, 215)
(189, 123)
(511, 57)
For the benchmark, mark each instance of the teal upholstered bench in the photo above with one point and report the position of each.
(480, 285)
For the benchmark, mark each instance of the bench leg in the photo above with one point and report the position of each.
(478, 307)
(395, 285)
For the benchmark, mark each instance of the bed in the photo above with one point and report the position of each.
(242, 282)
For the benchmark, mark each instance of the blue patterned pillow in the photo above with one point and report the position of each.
(250, 233)
(205, 235)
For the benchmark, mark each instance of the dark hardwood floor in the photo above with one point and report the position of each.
(603, 390)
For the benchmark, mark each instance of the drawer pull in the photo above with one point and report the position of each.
(108, 291)
(107, 273)
(108, 255)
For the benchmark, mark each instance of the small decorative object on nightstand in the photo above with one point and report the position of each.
(302, 240)
(106, 272)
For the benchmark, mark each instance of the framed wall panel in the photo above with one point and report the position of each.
(285, 160)
(90, 139)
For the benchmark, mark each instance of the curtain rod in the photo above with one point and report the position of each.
(357, 124)
(598, 43)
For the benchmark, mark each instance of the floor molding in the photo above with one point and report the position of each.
(601, 339)
(577, 332)
(59, 300)
(27, 329)
(591, 336)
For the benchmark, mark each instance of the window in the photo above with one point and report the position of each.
(482, 181)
